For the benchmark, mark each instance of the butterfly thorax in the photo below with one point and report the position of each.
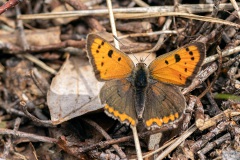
(140, 80)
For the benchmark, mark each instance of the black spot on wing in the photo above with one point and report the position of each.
(97, 51)
(166, 61)
(192, 58)
(185, 69)
(119, 59)
(177, 57)
(187, 49)
(110, 53)
(102, 64)
(191, 53)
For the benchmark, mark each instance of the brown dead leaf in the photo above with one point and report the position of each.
(61, 21)
(29, 152)
(73, 91)
(36, 37)
(17, 78)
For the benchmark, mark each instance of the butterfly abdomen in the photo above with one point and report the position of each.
(140, 83)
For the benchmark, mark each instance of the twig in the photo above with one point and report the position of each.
(141, 3)
(30, 105)
(39, 63)
(224, 54)
(9, 108)
(214, 106)
(17, 124)
(159, 149)
(39, 81)
(112, 22)
(190, 8)
(213, 121)
(206, 25)
(179, 14)
(216, 76)
(100, 130)
(92, 22)
(11, 48)
(211, 145)
(231, 61)
(188, 112)
(235, 5)
(185, 135)
(45, 123)
(199, 114)
(137, 143)
(9, 4)
(197, 145)
(101, 155)
(161, 38)
(123, 139)
(233, 70)
(31, 137)
(21, 37)
(148, 34)
(201, 77)
(7, 147)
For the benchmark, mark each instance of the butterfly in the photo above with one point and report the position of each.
(150, 94)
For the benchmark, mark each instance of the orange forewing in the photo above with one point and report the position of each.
(108, 62)
(180, 66)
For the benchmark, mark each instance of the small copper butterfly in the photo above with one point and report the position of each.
(137, 92)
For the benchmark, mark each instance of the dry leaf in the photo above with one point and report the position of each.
(61, 21)
(36, 37)
(74, 91)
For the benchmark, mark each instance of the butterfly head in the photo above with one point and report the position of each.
(141, 66)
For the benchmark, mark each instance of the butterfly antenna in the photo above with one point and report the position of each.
(126, 46)
(147, 57)
(151, 53)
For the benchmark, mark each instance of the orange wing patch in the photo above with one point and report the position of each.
(180, 66)
(107, 61)
(122, 117)
(160, 121)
